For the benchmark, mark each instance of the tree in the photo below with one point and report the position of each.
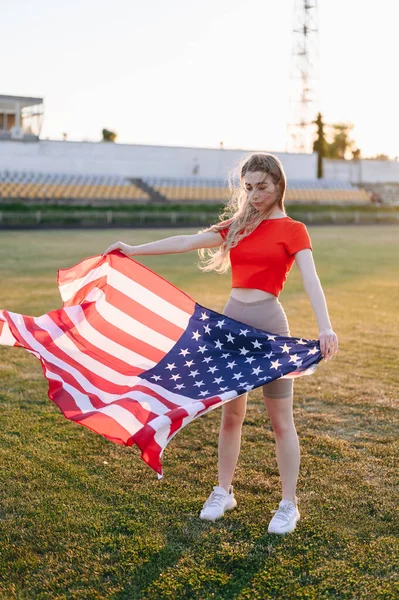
(342, 146)
(109, 136)
(379, 157)
(320, 145)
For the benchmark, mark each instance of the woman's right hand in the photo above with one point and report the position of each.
(125, 248)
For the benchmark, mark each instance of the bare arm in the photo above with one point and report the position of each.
(171, 245)
(312, 285)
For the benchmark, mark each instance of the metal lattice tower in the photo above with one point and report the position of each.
(304, 101)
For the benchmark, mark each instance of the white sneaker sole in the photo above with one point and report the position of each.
(230, 506)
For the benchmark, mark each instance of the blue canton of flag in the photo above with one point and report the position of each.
(217, 354)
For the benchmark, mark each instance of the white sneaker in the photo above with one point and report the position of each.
(285, 518)
(218, 502)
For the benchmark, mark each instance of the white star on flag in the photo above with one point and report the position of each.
(285, 348)
(294, 358)
(256, 371)
(313, 350)
(275, 364)
(256, 344)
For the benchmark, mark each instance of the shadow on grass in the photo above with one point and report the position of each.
(185, 538)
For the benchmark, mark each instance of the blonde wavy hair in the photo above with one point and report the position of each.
(238, 214)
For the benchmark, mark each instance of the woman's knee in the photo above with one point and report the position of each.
(283, 427)
(233, 413)
(280, 415)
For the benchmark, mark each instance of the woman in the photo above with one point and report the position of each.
(261, 243)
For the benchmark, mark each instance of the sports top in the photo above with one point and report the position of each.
(263, 259)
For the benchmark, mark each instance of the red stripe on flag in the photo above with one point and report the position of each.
(151, 281)
(129, 307)
(58, 394)
(72, 408)
(95, 421)
(134, 271)
(62, 320)
(135, 408)
(15, 331)
(150, 449)
(81, 294)
(176, 416)
(45, 339)
(208, 402)
(168, 403)
(79, 270)
(69, 379)
(144, 315)
(105, 426)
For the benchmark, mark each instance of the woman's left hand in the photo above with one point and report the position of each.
(328, 343)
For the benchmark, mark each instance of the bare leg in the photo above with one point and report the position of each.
(287, 444)
(233, 414)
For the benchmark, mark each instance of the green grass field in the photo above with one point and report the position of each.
(82, 518)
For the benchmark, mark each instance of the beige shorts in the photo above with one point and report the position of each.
(268, 315)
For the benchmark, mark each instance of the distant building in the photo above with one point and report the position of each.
(20, 118)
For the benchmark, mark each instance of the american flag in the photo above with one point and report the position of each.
(133, 358)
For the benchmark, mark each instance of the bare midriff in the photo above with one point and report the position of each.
(250, 294)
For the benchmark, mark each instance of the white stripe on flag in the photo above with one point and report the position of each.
(6, 337)
(126, 323)
(97, 339)
(147, 401)
(162, 428)
(83, 381)
(68, 290)
(64, 343)
(123, 417)
(131, 289)
(118, 413)
(152, 301)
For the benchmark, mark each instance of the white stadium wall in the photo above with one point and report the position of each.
(107, 158)
(362, 171)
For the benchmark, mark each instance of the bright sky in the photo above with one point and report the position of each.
(189, 73)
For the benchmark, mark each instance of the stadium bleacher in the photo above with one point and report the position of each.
(318, 191)
(80, 189)
(325, 191)
(183, 190)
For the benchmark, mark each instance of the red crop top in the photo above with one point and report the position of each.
(263, 259)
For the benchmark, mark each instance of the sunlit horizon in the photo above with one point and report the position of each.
(183, 74)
